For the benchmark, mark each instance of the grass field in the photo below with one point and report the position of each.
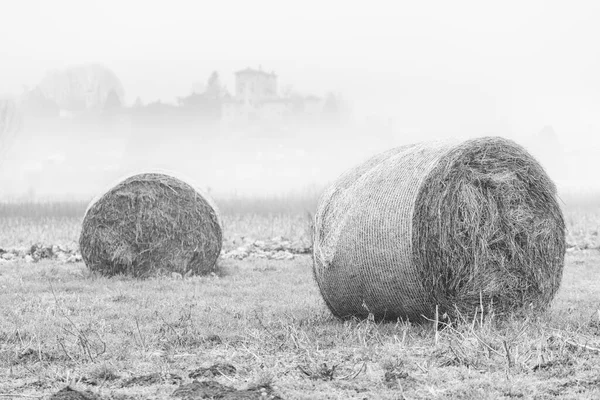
(262, 326)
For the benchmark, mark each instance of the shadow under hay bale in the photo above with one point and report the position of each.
(457, 226)
(151, 223)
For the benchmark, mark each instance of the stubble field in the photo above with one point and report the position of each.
(259, 328)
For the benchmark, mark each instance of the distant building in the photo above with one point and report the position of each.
(255, 85)
(256, 98)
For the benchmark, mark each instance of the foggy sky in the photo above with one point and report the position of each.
(475, 67)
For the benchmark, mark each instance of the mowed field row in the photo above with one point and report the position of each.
(25, 223)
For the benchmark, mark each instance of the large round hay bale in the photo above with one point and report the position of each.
(151, 223)
(452, 226)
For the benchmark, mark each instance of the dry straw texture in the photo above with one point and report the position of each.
(459, 226)
(151, 223)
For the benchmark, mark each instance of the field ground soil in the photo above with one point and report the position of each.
(260, 327)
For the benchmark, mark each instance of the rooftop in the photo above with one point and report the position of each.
(252, 71)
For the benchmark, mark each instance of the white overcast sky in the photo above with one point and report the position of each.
(506, 67)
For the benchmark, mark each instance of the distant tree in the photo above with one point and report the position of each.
(158, 108)
(38, 105)
(334, 108)
(287, 91)
(11, 124)
(138, 103)
(198, 88)
(214, 88)
(193, 100)
(75, 104)
(113, 102)
(78, 88)
(331, 106)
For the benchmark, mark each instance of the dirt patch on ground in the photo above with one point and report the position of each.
(215, 390)
(153, 379)
(213, 371)
(39, 252)
(277, 248)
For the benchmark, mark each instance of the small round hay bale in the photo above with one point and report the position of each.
(151, 223)
(446, 225)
